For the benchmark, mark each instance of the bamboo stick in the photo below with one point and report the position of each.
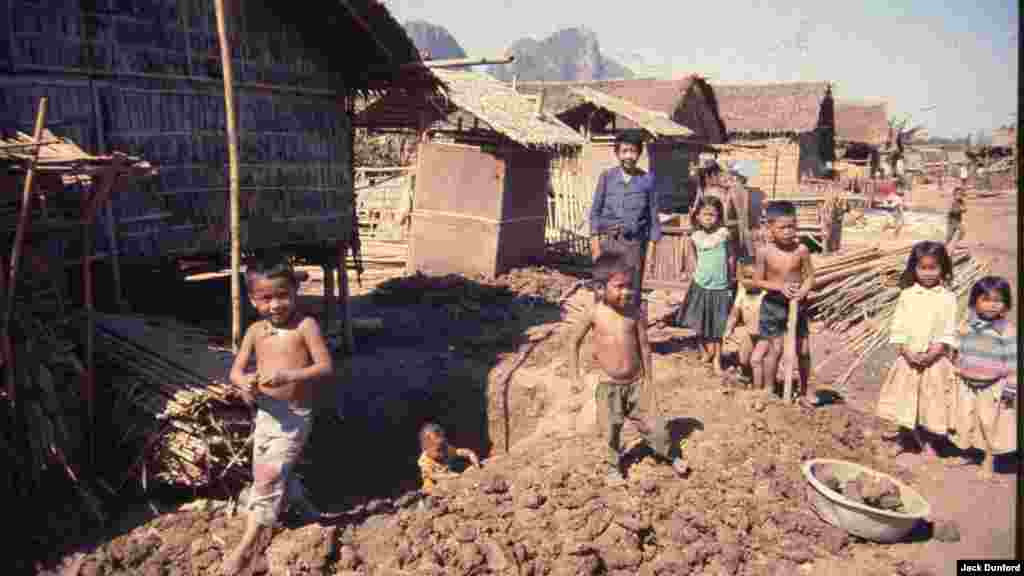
(23, 223)
(229, 108)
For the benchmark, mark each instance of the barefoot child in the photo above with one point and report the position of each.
(709, 298)
(745, 312)
(986, 363)
(624, 356)
(917, 395)
(291, 357)
(784, 271)
(436, 456)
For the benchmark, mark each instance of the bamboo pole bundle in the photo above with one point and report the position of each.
(203, 430)
(859, 308)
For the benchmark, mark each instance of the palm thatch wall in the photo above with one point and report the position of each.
(144, 77)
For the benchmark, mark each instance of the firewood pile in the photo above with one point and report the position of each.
(175, 402)
(855, 296)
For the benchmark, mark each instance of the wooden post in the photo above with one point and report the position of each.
(775, 173)
(789, 351)
(346, 312)
(25, 215)
(112, 235)
(229, 108)
(329, 301)
(88, 229)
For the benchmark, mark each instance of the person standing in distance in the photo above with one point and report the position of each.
(624, 211)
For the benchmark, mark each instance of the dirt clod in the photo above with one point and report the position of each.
(946, 531)
(869, 489)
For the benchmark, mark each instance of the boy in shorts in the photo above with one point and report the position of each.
(623, 353)
(291, 357)
(784, 271)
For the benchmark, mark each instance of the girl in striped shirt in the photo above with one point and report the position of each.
(986, 364)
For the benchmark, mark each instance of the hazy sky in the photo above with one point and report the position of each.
(959, 57)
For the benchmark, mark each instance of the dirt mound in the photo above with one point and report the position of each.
(544, 508)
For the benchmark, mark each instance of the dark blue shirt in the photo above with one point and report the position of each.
(633, 206)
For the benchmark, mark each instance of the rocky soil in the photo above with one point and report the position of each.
(544, 507)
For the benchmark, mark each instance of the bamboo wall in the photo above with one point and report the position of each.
(776, 157)
(157, 93)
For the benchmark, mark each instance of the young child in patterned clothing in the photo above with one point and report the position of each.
(986, 364)
(436, 456)
(918, 391)
(291, 357)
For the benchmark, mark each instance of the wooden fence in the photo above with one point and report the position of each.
(568, 228)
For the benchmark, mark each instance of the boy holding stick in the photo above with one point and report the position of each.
(291, 356)
(785, 273)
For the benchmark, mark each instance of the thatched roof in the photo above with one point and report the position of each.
(494, 103)
(770, 108)
(861, 122)
(662, 97)
(650, 93)
(358, 42)
(655, 122)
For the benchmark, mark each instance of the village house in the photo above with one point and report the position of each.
(679, 116)
(861, 133)
(783, 131)
(482, 174)
(145, 78)
(1005, 137)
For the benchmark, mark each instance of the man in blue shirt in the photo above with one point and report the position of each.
(624, 212)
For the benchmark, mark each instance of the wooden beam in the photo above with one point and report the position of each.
(456, 63)
(229, 108)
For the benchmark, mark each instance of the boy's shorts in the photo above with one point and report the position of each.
(280, 434)
(775, 316)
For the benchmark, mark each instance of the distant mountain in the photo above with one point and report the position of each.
(570, 54)
(434, 39)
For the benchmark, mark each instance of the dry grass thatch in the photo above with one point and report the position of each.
(673, 98)
(656, 122)
(61, 155)
(865, 123)
(332, 35)
(770, 108)
(494, 103)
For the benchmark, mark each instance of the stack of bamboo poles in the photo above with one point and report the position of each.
(568, 207)
(173, 400)
(855, 297)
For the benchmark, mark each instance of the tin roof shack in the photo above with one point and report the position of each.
(862, 131)
(786, 129)
(480, 203)
(679, 115)
(145, 77)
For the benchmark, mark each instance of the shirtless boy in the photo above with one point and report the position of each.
(623, 353)
(291, 357)
(784, 271)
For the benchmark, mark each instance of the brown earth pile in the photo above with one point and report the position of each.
(545, 509)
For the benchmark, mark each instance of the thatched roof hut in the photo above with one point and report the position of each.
(767, 110)
(489, 108)
(864, 123)
(599, 104)
(687, 101)
(482, 174)
(151, 85)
